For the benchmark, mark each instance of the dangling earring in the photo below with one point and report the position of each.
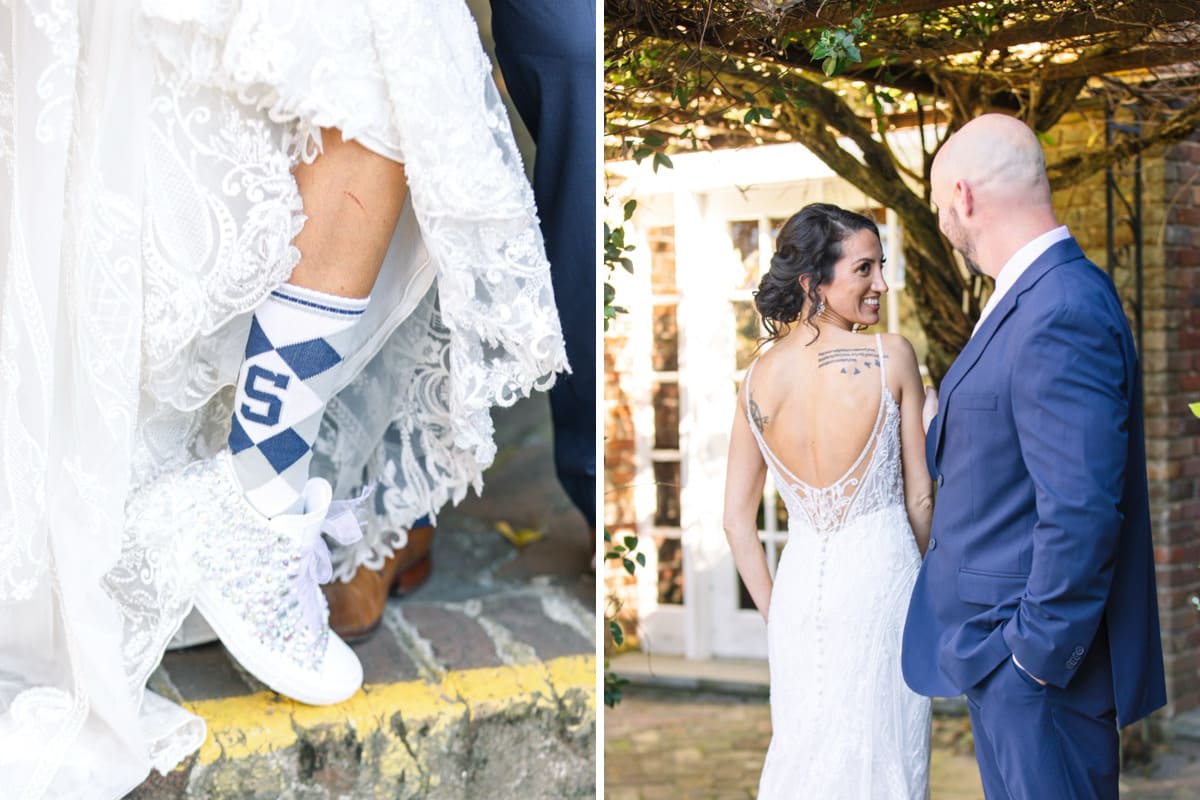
(820, 306)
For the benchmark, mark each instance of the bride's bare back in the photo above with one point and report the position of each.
(817, 405)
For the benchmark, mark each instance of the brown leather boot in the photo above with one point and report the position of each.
(415, 561)
(356, 607)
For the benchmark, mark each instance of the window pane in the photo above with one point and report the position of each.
(745, 601)
(665, 397)
(781, 515)
(747, 332)
(744, 235)
(665, 355)
(662, 260)
(775, 224)
(670, 570)
(666, 484)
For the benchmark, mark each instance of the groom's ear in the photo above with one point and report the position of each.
(964, 198)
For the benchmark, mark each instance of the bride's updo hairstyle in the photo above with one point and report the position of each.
(809, 243)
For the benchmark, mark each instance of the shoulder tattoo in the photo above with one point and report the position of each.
(760, 420)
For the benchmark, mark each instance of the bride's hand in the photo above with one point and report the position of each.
(930, 409)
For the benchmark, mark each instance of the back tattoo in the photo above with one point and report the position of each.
(851, 360)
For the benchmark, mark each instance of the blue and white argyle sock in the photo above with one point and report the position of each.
(297, 341)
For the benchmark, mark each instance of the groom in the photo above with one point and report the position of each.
(1036, 598)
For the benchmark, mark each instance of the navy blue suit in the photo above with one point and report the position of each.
(547, 54)
(1041, 546)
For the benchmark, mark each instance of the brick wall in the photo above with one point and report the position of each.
(1170, 357)
(620, 470)
(1172, 345)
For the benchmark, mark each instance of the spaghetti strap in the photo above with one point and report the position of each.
(879, 349)
(746, 386)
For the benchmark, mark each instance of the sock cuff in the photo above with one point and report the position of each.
(301, 297)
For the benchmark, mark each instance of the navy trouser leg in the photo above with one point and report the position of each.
(1035, 742)
(547, 54)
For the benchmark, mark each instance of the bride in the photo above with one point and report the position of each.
(836, 417)
(246, 244)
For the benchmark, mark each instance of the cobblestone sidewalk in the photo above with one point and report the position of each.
(677, 745)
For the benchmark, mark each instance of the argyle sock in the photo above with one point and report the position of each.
(296, 345)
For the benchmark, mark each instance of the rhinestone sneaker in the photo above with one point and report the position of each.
(261, 589)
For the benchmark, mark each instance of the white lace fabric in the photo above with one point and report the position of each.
(844, 724)
(149, 207)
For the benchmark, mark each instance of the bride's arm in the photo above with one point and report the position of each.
(918, 487)
(745, 473)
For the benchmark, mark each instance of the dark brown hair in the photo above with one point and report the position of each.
(809, 243)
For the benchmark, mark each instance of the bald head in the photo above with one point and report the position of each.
(999, 157)
(989, 183)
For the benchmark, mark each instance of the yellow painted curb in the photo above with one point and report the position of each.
(260, 723)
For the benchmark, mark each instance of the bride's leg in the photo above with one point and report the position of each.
(352, 199)
(262, 596)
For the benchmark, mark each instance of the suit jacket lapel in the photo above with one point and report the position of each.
(1058, 253)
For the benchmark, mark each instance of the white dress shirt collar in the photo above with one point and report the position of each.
(1016, 265)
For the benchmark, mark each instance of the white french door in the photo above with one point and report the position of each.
(700, 255)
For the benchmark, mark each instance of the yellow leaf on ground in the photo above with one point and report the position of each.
(518, 537)
(1195, 407)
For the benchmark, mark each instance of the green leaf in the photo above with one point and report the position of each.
(612, 687)
(630, 205)
(641, 557)
(829, 66)
(1045, 138)
(631, 542)
(614, 631)
(1195, 407)
(660, 160)
(628, 565)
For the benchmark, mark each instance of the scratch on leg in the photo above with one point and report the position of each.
(357, 202)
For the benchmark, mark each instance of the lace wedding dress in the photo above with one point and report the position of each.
(844, 724)
(146, 190)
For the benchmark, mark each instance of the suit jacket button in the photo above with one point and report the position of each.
(932, 543)
(941, 480)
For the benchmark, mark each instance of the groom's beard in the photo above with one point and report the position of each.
(972, 267)
(963, 246)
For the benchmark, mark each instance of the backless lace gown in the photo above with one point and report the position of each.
(844, 724)
(148, 206)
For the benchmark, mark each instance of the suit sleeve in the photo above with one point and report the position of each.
(1071, 408)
